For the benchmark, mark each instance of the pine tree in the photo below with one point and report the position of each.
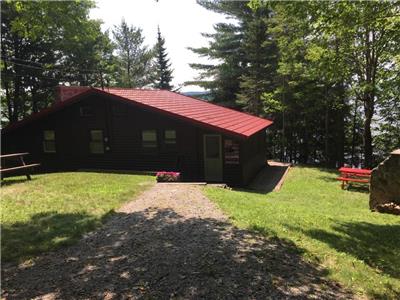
(223, 78)
(135, 68)
(163, 66)
(260, 66)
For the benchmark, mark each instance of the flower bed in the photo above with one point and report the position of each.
(164, 176)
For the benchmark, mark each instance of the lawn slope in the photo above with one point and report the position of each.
(56, 209)
(335, 228)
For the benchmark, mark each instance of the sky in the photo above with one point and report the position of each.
(181, 23)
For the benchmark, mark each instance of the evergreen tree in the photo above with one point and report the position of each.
(245, 53)
(134, 59)
(222, 78)
(163, 66)
(260, 64)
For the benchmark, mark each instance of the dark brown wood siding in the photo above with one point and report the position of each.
(253, 156)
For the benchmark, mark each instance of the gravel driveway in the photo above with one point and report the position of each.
(171, 242)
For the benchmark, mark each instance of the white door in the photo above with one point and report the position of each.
(212, 157)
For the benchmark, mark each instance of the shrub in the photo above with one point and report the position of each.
(164, 176)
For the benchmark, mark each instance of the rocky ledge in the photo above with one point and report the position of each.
(385, 185)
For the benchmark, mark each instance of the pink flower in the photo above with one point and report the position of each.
(165, 176)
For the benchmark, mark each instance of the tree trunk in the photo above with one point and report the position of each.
(341, 128)
(353, 138)
(326, 139)
(34, 101)
(17, 84)
(283, 154)
(101, 80)
(7, 90)
(369, 112)
(16, 98)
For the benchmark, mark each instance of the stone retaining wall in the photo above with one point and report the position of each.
(385, 185)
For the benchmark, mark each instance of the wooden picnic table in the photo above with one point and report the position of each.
(19, 157)
(354, 175)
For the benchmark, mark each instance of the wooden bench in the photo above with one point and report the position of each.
(21, 166)
(348, 175)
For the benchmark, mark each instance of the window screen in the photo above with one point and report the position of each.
(170, 137)
(96, 141)
(49, 141)
(149, 138)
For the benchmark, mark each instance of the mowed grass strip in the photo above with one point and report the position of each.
(54, 210)
(332, 227)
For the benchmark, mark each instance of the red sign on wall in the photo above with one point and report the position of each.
(231, 149)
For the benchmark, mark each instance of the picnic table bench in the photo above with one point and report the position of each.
(19, 157)
(348, 175)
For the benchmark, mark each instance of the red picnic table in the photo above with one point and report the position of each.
(354, 175)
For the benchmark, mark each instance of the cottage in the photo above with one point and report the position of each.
(138, 129)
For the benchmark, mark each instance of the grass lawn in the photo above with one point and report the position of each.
(56, 209)
(331, 227)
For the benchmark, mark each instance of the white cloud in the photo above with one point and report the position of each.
(181, 23)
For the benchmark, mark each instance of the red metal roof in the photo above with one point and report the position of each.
(176, 105)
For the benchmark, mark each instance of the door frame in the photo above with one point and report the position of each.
(220, 175)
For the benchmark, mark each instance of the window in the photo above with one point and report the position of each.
(96, 142)
(86, 111)
(49, 141)
(149, 138)
(170, 137)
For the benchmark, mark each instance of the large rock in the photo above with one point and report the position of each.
(385, 184)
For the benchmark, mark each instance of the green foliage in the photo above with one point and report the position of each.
(135, 60)
(225, 48)
(43, 44)
(370, 42)
(334, 227)
(54, 210)
(163, 66)
(388, 112)
(318, 69)
(259, 73)
(325, 72)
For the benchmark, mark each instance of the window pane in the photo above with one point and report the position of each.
(170, 137)
(96, 147)
(49, 144)
(96, 141)
(170, 134)
(212, 147)
(49, 135)
(96, 135)
(149, 138)
(149, 135)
